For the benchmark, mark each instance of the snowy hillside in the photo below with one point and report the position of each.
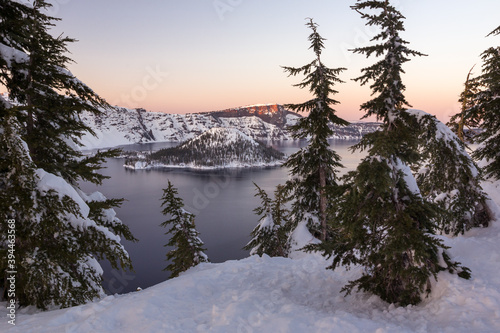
(218, 147)
(219, 137)
(122, 126)
(290, 295)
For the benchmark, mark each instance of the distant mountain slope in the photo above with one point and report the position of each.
(122, 126)
(216, 148)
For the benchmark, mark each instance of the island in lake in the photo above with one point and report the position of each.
(217, 148)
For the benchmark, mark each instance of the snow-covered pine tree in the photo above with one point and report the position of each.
(57, 241)
(487, 109)
(188, 247)
(60, 231)
(313, 168)
(270, 236)
(52, 98)
(448, 176)
(383, 223)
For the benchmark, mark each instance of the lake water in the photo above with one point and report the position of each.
(222, 200)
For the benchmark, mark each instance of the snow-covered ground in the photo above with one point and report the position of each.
(291, 295)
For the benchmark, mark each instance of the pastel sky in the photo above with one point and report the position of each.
(200, 55)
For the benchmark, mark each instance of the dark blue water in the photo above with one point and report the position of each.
(222, 200)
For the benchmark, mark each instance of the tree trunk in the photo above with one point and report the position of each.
(322, 201)
(465, 100)
(30, 120)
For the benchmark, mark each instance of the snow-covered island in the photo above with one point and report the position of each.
(217, 148)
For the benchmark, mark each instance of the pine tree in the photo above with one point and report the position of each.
(382, 222)
(52, 98)
(57, 241)
(313, 168)
(270, 236)
(185, 238)
(449, 177)
(487, 109)
(60, 231)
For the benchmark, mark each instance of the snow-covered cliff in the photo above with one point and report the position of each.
(122, 126)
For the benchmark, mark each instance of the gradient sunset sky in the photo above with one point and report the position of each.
(202, 55)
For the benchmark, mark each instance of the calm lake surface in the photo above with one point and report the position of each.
(222, 200)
